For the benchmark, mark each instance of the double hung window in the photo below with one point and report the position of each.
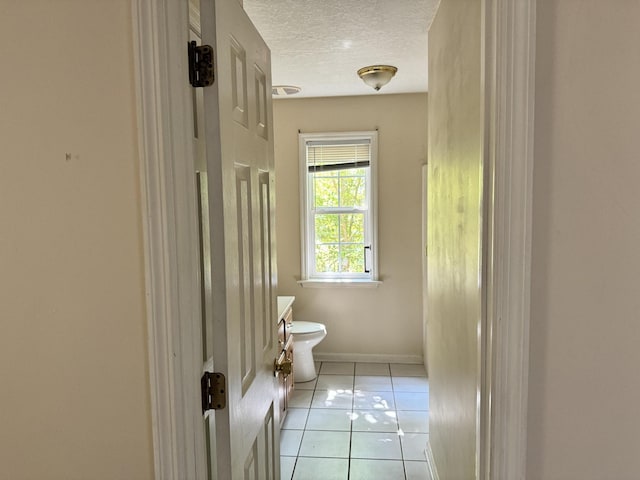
(338, 206)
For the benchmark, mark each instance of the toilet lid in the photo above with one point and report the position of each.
(306, 327)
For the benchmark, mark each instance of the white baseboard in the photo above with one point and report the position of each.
(367, 358)
(431, 464)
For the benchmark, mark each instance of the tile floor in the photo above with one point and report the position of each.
(358, 421)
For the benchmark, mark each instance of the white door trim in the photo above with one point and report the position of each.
(169, 208)
(168, 205)
(509, 74)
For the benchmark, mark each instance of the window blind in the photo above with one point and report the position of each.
(338, 155)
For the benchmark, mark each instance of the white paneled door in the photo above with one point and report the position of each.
(237, 224)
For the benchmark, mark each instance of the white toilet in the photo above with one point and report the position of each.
(306, 335)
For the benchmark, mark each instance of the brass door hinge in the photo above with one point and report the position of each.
(200, 65)
(214, 391)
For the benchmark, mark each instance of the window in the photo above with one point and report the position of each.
(337, 184)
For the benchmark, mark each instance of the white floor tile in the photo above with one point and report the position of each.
(337, 382)
(379, 469)
(416, 470)
(286, 467)
(413, 421)
(373, 400)
(337, 368)
(375, 445)
(411, 401)
(373, 383)
(325, 444)
(290, 442)
(321, 469)
(349, 411)
(295, 419)
(410, 384)
(305, 385)
(408, 370)
(301, 398)
(373, 369)
(374, 421)
(413, 446)
(342, 399)
(329, 419)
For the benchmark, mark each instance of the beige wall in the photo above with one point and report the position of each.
(388, 319)
(585, 314)
(454, 221)
(74, 399)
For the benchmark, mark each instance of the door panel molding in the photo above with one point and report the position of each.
(245, 276)
(266, 260)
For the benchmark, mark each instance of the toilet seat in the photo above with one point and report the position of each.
(302, 328)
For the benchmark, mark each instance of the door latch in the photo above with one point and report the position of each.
(200, 65)
(286, 367)
(214, 391)
(283, 364)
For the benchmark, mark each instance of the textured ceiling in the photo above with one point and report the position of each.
(319, 45)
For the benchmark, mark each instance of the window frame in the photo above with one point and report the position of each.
(307, 229)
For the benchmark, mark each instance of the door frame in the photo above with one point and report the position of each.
(508, 70)
(170, 235)
(168, 208)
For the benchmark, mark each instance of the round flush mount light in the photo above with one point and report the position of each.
(377, 76)
(284, 90)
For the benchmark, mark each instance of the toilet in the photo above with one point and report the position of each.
(306, 335)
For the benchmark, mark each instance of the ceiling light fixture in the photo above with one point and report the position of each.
(284, 90)
(377, 76)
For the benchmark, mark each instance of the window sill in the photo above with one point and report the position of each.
(345, 283)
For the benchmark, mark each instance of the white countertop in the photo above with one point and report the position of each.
(283, 305)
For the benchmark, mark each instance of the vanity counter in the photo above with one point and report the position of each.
(284, 304)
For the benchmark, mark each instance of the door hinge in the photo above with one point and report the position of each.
(200, 65)
(214, 391)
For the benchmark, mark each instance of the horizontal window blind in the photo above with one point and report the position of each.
(338, 155)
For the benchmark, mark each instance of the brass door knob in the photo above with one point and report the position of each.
(285, 367)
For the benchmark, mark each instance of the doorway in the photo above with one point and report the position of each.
(172, 390)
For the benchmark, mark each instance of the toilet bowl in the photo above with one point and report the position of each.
(306, 335)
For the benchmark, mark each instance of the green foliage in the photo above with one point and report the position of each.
(352, 192)
(340, 188)
(327, 191)
(352, 257)
(340, 242)
(327, 228)
(352, 228)
(327, 258)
